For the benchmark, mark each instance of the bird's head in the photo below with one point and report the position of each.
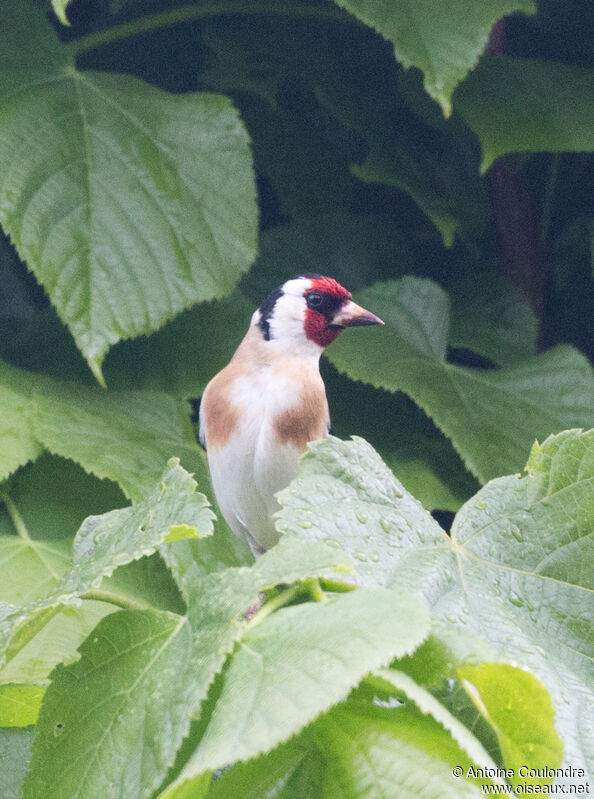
(308, 312)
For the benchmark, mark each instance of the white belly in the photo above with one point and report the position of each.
(254, 464)
(246, 474)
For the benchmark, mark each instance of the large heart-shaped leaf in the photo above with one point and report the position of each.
(515, 572)
(128, 203)
(491, 416)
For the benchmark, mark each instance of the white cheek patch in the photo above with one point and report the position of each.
(287, 328)
(288, 318)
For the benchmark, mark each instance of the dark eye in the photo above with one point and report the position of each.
(314, 300)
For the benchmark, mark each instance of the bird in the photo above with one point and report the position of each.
(258, 414)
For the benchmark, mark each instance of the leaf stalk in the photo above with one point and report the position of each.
(15, 517)
(278, 601)
(115, 599)
(194, 12)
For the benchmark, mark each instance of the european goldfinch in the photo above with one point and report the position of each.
(259, 412)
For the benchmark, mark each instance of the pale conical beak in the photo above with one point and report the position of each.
(352, 315)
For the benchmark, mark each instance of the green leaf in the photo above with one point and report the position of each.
(15, 752)
(196, 788)
(444, 41)
(493, 318)
(49, 638)
(492, 417)
(277, 775)
(515, 572)
(378, 753)
(519, 709)
(444, 192)
(125, 436)
(152, 195)
(111, 722)
(19, 704)
(114, 539)
(297, 663)
(218, 603)
(30, 569)
(346, 496)
(429, 705)
(533, 106)
(454, 697)
(59, 7)
(361, 749)
(18, 444)
(217, 607)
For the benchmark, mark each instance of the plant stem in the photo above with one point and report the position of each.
(312, 586)
(193, 12)
(336, 586)
(15, 517)
(115, 599)
(279, 601)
